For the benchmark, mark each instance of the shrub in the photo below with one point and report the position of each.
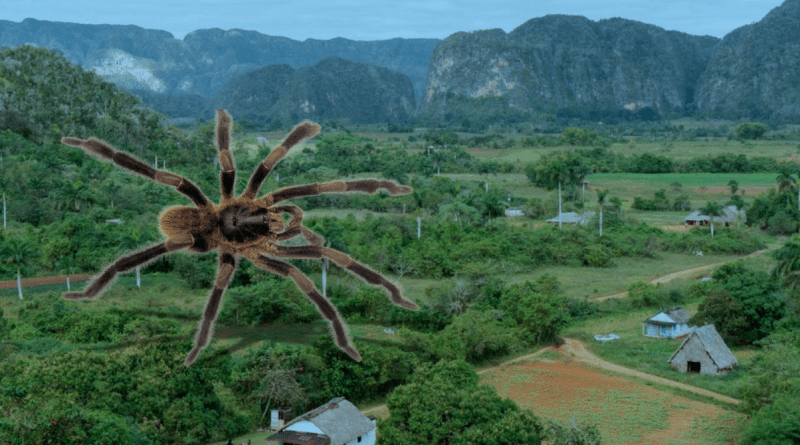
(750, 130)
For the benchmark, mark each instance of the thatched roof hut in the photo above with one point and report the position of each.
(705, 352)
(730, 214)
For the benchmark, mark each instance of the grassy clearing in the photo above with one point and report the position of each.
(588, 282)
(650, 355)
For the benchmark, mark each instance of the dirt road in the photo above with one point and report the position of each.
(575, 350)
(682, 274)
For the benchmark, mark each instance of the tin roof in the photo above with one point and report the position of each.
(338, 419)
(675, 315)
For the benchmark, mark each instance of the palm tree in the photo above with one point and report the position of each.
(712, 210)
(601, 199)
(788, 267)
(19, 254)
(559, 171)
(70, 196)
(734, 185)
(785, 178)
(786, 181)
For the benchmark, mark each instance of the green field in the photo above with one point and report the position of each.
(677, 150)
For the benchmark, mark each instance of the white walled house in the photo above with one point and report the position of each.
(337, 422)
(671, 323)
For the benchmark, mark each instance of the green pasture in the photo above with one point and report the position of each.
(593, 282)
(677, 150)
(699, 187)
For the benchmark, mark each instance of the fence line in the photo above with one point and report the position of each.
(43, 281)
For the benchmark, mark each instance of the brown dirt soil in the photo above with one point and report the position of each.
(677, 228)
(573, 349)
(626, 411)
(43, 281)
(621, 408)
(725, 190)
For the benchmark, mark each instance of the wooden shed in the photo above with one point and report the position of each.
(705, 352)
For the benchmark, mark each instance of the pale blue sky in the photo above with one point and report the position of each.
(378, 19)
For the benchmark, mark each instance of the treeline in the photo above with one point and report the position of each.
(451, 242)
(76, 374)
(602, 160)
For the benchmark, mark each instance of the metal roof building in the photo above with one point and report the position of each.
(671, 323)
(337, 422)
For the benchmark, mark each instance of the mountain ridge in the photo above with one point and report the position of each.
(556, 64)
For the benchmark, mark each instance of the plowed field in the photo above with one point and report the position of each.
(627, 411)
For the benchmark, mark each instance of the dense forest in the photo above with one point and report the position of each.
(111, 371)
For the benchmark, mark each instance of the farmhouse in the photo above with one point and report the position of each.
(573, 218)
(730, 214)
(705, 352)
(668, 324)
(337, 422)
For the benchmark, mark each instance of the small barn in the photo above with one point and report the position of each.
(672, 323)
(337, 422)
(703, 351)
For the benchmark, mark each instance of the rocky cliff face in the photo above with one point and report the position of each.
(755, 70)
(558, 62)
(333, 88)
(168, 73)
(219, 50)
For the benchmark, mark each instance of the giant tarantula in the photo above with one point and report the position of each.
(243, 226)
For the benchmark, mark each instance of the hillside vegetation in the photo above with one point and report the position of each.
(112, 368)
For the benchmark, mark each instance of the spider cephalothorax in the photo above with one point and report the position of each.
(243, 226)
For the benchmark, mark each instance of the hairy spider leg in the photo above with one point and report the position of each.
(359, 185)
(227, 176)
(128, 262)
(295, 226)
(131, 163)
(305, 130)
(325, 308)
(227, 265)
(346, 262)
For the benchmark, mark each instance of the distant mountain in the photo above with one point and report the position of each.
(557, 64)
(560, 62)
(755, 70)
(333, 88)
(220, 50)
(168, 73)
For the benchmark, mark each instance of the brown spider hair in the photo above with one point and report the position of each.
(243, 226)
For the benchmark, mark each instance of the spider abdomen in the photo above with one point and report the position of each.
(199, 223)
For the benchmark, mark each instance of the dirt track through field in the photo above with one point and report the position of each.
(575, 350)
(681, 274)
